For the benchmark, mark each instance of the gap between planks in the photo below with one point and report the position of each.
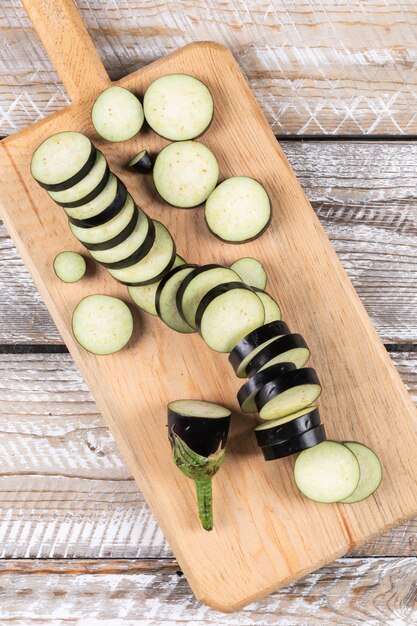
(120, 566)
(23, 348)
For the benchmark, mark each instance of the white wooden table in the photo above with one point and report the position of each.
(77, 542)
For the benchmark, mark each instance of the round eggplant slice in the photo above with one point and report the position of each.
(247, 393)
(291, 347)
(328, 472)
(227, 313)
(88, 188)
(253, 343)
(111, 233)
(117, 202)
(132, 249)
(203, 426)
(272, 309)
(102, 324)
(195, 286)
(370, 470)
(144, 297)
(178, 107)
(69, 266)
(96, 206)
(306, 440)
(276, 431)
(288, 393)
(251, 272)
(117, 114)
(165, 298)
(142, 162)
(185, 173)
(62, 160)
(238, 210)
(154, 265)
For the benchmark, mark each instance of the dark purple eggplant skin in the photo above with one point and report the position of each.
(90, 196)
(298, 426)
(154, 279)
(70, 182)
(214, 293)
(108, 213)
(144, 165)
(164, 281)
(308, 439)
(303, 376)
(112, 243)
(254, 339)
(280, 345)
(261, 378)
(198, 270)
(203, 435)
(139, 253)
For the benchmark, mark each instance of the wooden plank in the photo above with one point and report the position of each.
(64, 489)
(358, 591)
(365, 197)
(347, 348)
(315, 68)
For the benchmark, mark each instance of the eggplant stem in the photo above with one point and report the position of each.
(205, 502)
(201, 470)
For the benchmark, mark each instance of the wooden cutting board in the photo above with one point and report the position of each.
(266, 534)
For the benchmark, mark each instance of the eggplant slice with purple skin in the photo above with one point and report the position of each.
(247, 393)
(197, 431)
(285, 428)
(308, 439)
(254, 342)
(141, 162)
(289, 347)
(287, 393)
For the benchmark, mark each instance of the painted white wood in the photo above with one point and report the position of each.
(375, 592)
(365, 195)
(316, 68)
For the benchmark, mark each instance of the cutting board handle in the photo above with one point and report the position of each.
(62, 31)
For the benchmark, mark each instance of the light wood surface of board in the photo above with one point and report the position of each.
(290, 536)
(345, 67)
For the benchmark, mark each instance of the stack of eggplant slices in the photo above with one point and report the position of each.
(227, 306)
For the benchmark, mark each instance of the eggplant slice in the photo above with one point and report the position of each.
(62, 160)
(308, 439)
(245, 351)
(185, 173)
(238, 210)
(328, 472)
(227, 313)
(178, 107)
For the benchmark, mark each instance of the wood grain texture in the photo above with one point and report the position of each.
(272, 550)
(66, 492)
(375, 592)
(316, 68)
(61, 30)
(365, 197)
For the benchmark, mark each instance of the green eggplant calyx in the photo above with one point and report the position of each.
(201, 469)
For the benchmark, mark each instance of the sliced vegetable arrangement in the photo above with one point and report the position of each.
(228, 306)
(283, 391)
